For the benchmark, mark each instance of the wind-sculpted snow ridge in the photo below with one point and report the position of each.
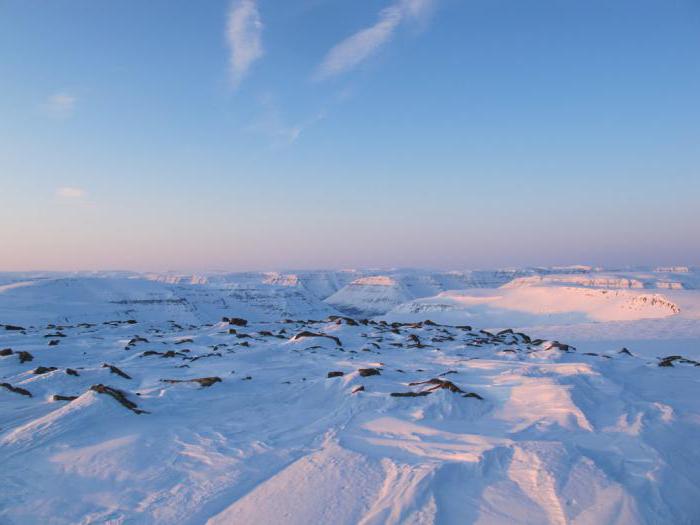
(339, 421)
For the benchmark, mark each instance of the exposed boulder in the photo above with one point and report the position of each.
(119, 396)
(113, 369)
(204, 382)
(16, 389)
(305, 333)
(43, 370)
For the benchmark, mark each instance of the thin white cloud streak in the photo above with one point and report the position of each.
(244, 37)
(67, 192)
(355, 49)
(272, 124)
(60, 105)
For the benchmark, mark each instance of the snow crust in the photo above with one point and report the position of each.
(572, 417)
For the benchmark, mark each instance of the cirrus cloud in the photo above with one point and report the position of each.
(355, 49)
(244, 37)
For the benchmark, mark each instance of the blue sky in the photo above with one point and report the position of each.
(173, 134)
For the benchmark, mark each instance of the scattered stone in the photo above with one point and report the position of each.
(71, 372)
(335, 374)
(119, 396)
(58, 397)
(410, 394)
(16, 389)
(204, 382)
(25, 356)
(237, 321)
(338, 319)
(305, 333)
(54, 342)
(360, 388)
(625, 351)
(117, 371)
(5, 352)
(43, 370)
(669, 360)
(14, 328)
(438, 384)
(134, 340)
(367, 372)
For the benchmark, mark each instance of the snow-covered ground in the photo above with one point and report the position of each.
(293, 418)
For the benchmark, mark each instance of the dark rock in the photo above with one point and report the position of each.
(410, 394)
(360, 388)
(5, 352)
(25, 356)
(58, 397)
(14, 328)
(113, 369)
(335, 374)
(560, 346)
(443, 384)
(203, 381)
(439, 384)
(54, 342)
(339, 319)
(305, 333)
(172, 353)
(119, 396)
(668, 361)
(625, 351)
(16, 389)
(71, 372)
(237, 321)
(367, 372)
(43, 370)
(183, 341)
(134, 340)
(474, 395)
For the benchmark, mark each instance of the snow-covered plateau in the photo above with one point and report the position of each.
(564, 395)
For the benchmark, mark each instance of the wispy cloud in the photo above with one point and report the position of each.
(60, 105)
(355, 49)
(272, 124)
(244, 36)
(68, 192)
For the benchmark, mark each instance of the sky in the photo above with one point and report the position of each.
(287, 134)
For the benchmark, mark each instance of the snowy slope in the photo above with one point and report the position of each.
(482, 428)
